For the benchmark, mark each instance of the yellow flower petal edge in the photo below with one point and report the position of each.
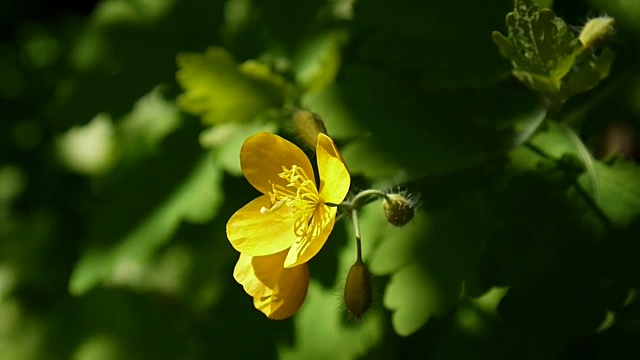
(258, 275)
(276, 291)
(288, 296)
(334, 175)
(257, 234)
(263, 156)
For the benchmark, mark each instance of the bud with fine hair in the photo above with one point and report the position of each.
(596, 30)
(357, 290)
(398, 210)
(307, 125)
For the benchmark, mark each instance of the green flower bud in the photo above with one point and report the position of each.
(398, 210)
(357, 290)
(595, 30)
(307, 126)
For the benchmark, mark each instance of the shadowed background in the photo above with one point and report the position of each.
(120, 132)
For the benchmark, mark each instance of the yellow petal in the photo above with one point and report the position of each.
(262, 157)
(257, 234)
(303, 249)
(288, 295)
(259, 274)
(334, 176)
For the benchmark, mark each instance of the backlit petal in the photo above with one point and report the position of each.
(334, 176)
(262, 157)
(304, 249)
(288, 295)
(257, 234)
(259, 275)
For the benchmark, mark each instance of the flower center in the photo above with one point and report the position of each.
(301, 196)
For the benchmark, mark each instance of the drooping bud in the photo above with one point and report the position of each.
(307, 125)
(398, 210)
(357, 290)
(596, 30)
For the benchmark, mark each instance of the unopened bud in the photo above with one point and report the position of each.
(307, 126)
(357, 290)
(596, 30)
(398, 210)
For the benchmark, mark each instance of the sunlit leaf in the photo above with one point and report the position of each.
(90, 149)
(221, 91)
(547, 57)
(320, 323)
(619, 188)
(540, 46)
(227, 140)
(194, 200)
(618, 183)
(417, 290)
(152, 118)
(318, 60)
(430, 258)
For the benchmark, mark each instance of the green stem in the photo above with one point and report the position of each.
(586, 159)
(356, 227)
(363, 198)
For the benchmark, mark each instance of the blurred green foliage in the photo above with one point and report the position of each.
(119, 143)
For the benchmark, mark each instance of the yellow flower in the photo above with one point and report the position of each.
(277, 233)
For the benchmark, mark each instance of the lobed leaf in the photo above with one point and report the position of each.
(618, 183)
(221, 91)
(539, 45)
(546, 56)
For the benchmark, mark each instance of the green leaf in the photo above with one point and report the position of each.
(195, 199)
(619, 190)
(90, 149)
(421, 286)
(618, 183)
(319, 313)
(152, 118)
(540, 46)
(221, 91)
(318, 59)
(227, 140)
(431, 258)
(373, 110)
(588, 71)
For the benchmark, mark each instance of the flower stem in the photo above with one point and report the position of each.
(362, 198)
(356, 227)
(587, 160)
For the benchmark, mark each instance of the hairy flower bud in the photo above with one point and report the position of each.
(357, 290)
(398, 210)
(596, 30)
(307, 126)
